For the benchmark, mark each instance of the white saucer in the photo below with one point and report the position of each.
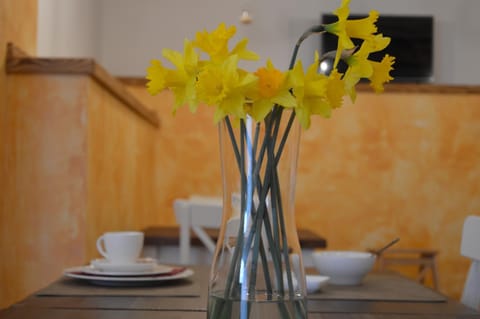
(142, 265)
(155, 270)
(125, 281)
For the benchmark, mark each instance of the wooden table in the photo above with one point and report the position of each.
(383, 295)
(169, 235)
(162, 241)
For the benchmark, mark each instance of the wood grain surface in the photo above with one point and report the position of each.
(106, 307)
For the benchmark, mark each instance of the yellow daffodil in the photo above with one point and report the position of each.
(309, 90)
(224, 86)
(217, 81)
(215, 44)
(381, 73)
(335, 89)
(346, 29)
(272, 88)
(360, 66)
(180, 80)
(362, 28)
(241, 50)
(339, 29)
(156, 76)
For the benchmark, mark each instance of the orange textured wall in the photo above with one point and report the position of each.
(122, 170)
(18, 21)
(42, 227)
(78, 162)
(186, 152)
(397, 164)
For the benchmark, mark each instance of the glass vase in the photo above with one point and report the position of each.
(257, 269)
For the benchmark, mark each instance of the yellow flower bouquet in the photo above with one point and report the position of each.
(257, 268)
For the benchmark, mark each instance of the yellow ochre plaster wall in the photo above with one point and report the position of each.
(18, 21)
(78, 163)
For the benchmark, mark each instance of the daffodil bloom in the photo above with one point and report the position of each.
(381, 73)
(241, 50)
(180, 80)
(362, 28)
(215, 44)
(346, 29)
(156, 74)
(309, 90)
(335, 89)
(272, 88)
(217, 81)
(360, 66)
(339, 28)
(223, 86)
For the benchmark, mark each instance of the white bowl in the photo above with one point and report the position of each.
(316, 282)
(344, 267)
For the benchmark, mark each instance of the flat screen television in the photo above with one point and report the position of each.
(411, 44)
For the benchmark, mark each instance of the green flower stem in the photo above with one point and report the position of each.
(259, 190)
(235, 261)
(313, 30)
(279, 200)
(285, 136)
(272, 167)
(234, 141)
(284, 234)
(266, 271)
(240, 237)
(277, 222)
(257, 225)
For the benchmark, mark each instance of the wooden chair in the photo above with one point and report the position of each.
(470, 247)
(423, 259)
(196, 214)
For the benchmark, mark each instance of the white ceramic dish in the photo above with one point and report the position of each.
(316, 282)
(344, 267)
(77, 273)
(142, 265)
(156, 270)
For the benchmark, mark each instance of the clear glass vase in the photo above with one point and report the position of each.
(257, 269)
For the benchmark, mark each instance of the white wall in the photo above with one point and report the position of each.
(68, 28)
(129, 33)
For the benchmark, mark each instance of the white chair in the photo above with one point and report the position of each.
(470, 248)
(197, 213)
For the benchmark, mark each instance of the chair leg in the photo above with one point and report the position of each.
(422, 270)
(434, 275)
(471, 290)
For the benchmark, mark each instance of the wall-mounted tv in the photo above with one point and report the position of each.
(411, 44)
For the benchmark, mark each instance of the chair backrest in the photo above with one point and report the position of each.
(197, 213)
(470, 247)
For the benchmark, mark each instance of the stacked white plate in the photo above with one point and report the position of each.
(145, 271)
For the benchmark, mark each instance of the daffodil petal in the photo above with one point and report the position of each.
(285, 99)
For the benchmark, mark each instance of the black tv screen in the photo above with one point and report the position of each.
(411, 44)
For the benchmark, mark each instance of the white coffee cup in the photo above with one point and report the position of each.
(121, 246)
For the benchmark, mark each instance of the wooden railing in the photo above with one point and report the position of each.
(20, 62)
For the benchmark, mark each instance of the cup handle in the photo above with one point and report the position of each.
(100, 248)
